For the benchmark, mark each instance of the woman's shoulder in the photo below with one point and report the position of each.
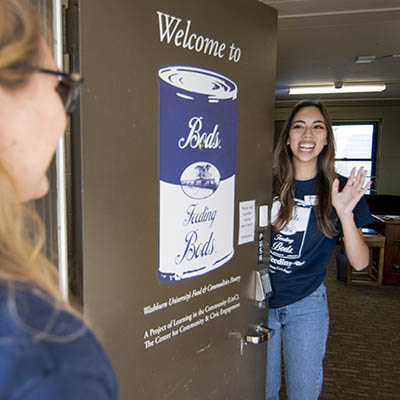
(39, 340)
(27, 312)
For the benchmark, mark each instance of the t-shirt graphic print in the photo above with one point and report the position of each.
(288, 243)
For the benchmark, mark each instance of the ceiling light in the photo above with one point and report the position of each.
(328, 89)
(365, 59)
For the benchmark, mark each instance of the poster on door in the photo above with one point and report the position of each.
(197, 161)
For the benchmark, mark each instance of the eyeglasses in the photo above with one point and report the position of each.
(68, 87)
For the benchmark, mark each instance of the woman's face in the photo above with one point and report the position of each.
(307, 136)
(32, 119)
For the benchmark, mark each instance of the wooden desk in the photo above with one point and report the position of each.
(373, 274)
(391, 266)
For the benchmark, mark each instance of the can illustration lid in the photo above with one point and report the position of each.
(199, 81)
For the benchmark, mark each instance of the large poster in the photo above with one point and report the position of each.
(197, 159)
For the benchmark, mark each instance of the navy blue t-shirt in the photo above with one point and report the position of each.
(300, 253)
(46, 353)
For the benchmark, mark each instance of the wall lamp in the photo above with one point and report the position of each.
(341, 88)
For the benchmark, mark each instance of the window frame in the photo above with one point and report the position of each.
(375, 133)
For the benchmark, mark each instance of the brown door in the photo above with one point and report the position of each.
(175, 149)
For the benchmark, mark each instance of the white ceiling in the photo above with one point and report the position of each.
(318, 41)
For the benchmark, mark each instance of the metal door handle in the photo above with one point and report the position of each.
(260, 334)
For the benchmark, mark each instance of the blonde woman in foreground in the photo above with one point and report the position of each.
(46, 350)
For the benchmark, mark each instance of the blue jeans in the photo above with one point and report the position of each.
(302, 328)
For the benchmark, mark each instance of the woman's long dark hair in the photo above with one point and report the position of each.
(284, 175)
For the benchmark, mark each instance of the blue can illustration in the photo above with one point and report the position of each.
(197, 162)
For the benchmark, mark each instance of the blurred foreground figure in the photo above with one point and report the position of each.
(46, 350)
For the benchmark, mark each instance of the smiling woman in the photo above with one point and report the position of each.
(285, 172)
(308, 213)
(307, 138)
(46, 350)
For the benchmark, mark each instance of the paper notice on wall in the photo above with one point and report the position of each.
(247, 221)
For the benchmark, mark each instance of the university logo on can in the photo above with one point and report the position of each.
(197, 161)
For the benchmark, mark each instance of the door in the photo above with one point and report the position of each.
(176, 136)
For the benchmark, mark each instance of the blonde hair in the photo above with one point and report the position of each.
(22, 233)
(21, 32)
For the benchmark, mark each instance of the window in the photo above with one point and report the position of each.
(356, 147)
(47, 206)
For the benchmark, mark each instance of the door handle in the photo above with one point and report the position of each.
(259, 334)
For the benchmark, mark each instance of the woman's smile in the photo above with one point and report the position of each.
(307, 138)
(306, 146)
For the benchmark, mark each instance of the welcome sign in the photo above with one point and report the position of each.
(172, 30)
